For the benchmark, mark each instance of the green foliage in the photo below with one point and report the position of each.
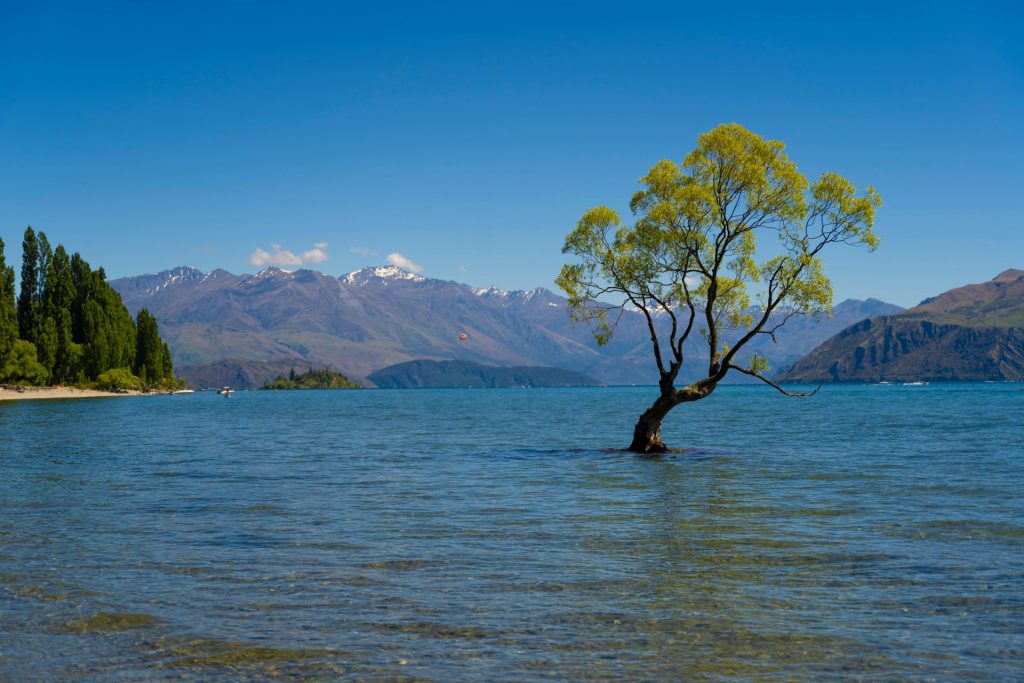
(314, 379)
(58, 300)
(8, 312)
(167, 366)
(118, 379)
(21, 366)
(690, 258)
(46, 343)
(28, 299)
(101, 323)
(149, 358)
(75, 324)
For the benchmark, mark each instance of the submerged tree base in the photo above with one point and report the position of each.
(647, 432)
(650, 449)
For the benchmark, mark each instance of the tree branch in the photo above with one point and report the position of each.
(747, 371)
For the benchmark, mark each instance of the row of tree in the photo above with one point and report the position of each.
(68, 325)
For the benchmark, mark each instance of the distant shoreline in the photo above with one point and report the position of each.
(37, 393)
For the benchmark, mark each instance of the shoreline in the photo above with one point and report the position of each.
(42, 393)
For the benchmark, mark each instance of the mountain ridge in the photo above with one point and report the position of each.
(973, 332)
(382, 315)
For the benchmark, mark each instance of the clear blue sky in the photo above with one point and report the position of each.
(469, 137)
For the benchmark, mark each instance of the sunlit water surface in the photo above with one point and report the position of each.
(871, 532)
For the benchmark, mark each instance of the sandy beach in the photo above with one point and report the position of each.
(35, 393)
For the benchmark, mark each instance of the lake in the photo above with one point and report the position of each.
(866, 533)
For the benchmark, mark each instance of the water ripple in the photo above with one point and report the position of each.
(503, 535)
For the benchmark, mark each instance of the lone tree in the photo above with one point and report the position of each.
(688, 263)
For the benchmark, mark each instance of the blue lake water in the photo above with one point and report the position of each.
(867, 533)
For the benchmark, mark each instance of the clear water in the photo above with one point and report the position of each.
(872, 532)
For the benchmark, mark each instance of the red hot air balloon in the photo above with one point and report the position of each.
(463, 336)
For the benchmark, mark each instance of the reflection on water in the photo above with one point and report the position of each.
(869, 532)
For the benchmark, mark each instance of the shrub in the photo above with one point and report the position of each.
(22, 366)
(118, 379)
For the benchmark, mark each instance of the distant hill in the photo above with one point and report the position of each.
(240, 374)
(975, 332)
(244, 330)
(420, 374)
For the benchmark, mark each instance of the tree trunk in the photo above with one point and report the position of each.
(647, 433)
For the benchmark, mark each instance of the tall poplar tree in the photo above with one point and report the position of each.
(73, 325)
(43, 265)
(8, 311)
(149, 361)
(58, 300)
(28, 299)
(165, 359)
(101, 324)
(81, 278)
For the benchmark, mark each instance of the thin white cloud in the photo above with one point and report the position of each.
(363, 251)
(284, 257)
(397, 259)
(318, 254)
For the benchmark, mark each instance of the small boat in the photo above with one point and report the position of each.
(914, 384)
(184, 391)
(226, 391)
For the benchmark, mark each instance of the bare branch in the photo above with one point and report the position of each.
(747, 371)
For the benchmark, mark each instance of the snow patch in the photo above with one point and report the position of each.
(491, 291)
(273, 271)
(269, 272)
(385, 273)
(176, 276)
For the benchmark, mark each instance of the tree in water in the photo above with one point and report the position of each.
(688, 263)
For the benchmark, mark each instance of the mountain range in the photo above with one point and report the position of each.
(246, 329)
(974, 332)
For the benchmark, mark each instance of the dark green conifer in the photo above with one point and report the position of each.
(28, 299)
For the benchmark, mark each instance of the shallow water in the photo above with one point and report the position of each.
(871, 532)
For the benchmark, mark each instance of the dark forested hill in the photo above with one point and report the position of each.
(459, 373)
(975, 332)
